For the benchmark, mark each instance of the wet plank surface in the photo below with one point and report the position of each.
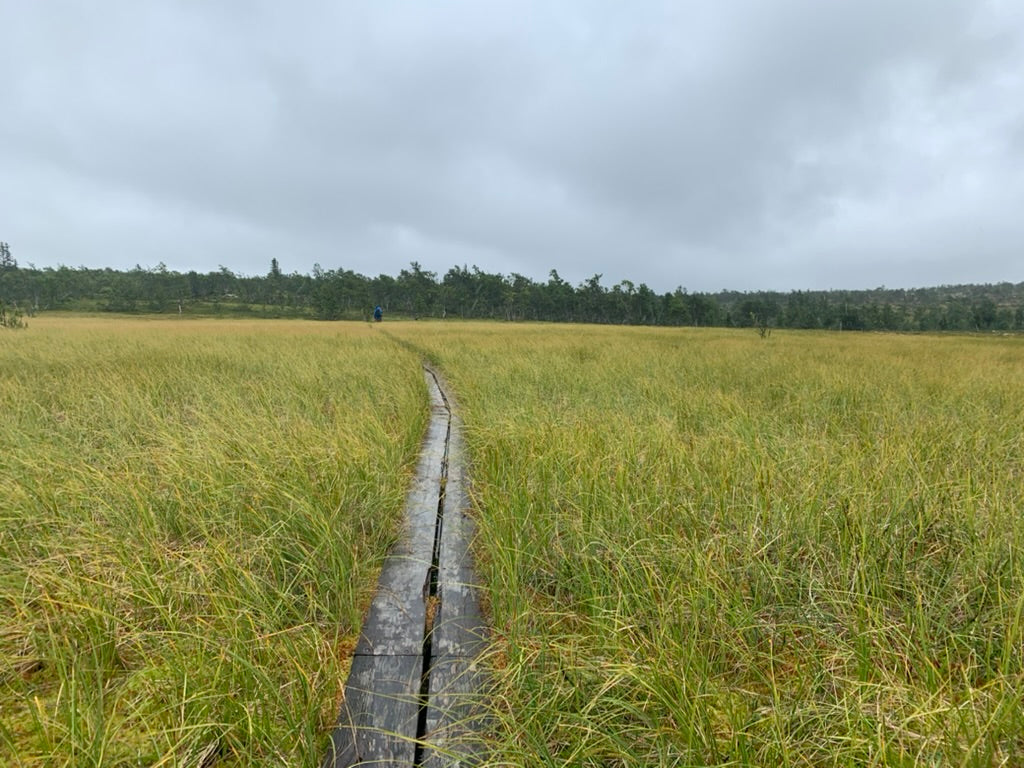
(459, 629)
(396, 697)
(379, 720)
(454, 719)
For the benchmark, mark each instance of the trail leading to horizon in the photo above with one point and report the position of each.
(411, 693)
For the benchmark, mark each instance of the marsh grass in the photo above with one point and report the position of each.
(192, 517)
(706, 548)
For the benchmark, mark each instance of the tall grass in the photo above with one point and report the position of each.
(707, 548)
(192, 517)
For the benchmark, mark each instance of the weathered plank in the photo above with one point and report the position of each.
(378, 720)
(455, 718)
(456, 715)
(394, 625)
(459, 627)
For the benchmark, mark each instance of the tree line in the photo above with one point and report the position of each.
(471, 293)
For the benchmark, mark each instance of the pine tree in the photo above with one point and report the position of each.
(6, 260)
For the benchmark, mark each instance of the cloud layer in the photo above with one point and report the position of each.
(746, 145)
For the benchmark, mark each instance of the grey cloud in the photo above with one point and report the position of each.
(741, 144)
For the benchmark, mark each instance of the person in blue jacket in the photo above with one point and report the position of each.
(378, 313)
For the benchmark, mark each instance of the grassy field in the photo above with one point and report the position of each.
(707, 548)
(192, 516)
(700, 547)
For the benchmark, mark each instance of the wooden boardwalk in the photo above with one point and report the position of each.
(413, 691)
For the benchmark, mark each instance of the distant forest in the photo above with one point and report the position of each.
(340, 294)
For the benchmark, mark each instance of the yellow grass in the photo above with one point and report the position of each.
(707, 548)
(192, 516)
(699, 547)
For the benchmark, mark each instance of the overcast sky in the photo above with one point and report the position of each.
(741, 144)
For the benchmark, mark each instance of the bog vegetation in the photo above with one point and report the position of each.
(192, 515)
(705, 548)
(699, 547)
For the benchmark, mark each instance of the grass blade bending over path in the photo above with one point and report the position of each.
(192, 516)
(706, 548)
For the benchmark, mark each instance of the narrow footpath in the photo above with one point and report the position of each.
(412, 696)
